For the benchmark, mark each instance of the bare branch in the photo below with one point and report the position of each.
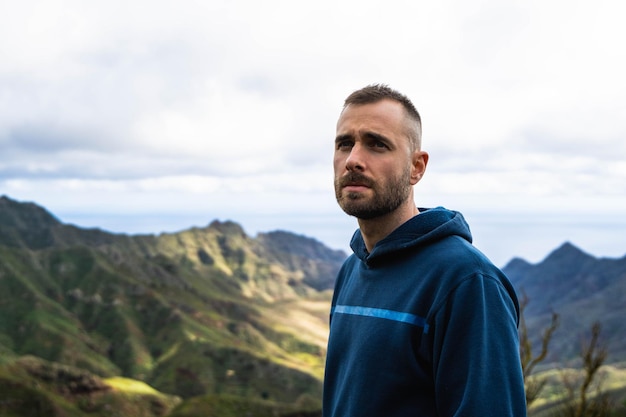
(533, 387)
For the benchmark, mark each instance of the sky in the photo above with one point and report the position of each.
(157, 116)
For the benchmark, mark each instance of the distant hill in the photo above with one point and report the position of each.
(213, 318)
(206, 311)
(582, 289)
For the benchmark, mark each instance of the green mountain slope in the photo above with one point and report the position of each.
(201, 312)
(216, 321)
(33, 387)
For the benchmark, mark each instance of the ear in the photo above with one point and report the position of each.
(418, 166)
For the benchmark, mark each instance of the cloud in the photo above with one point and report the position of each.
(122, 106)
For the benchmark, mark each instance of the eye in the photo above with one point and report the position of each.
(378, 144)
(344, 144)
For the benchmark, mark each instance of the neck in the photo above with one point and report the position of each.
(375, 230)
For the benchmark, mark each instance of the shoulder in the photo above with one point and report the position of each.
(454, 265)
(473, 278)
(455, 253)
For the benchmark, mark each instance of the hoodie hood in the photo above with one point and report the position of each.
(430, 225)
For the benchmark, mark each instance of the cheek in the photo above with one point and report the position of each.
(339, 163)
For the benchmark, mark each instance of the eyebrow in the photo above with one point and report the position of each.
(368, 135)
(345, 136)
(376, 136)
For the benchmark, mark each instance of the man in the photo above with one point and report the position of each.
(422, 323)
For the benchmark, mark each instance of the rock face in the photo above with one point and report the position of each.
(204, 311)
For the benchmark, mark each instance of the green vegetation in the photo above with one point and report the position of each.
(234, 406)
(204, 313)
(212, 322)
(594, 390)
(611, 380)
(33, 387)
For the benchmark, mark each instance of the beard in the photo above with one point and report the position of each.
(386, 199)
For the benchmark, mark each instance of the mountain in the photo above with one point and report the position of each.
(580, 288)
(205, 311)
(209, 318)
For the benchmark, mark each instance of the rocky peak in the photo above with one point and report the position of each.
(227, 227)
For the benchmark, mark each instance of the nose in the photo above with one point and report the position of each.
(355, 160)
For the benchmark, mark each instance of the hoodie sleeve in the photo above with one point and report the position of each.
(477, 367)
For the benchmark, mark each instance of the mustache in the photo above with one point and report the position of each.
(355, 178)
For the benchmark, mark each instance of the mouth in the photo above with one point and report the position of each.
(355, 188)
(355, 183)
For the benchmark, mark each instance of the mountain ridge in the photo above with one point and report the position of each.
(206, 310)
(211, 314)
(579, 287)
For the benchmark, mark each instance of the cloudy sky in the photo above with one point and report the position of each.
(153, 116)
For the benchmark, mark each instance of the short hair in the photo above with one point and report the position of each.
(374, 93)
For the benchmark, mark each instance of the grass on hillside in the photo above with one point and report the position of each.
(234, 406)
(612, 381)
(128, 385)
(32, 387)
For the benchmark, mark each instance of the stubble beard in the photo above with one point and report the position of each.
(386, 197)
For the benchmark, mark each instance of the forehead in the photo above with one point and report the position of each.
(381, 115)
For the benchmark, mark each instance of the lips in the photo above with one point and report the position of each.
(355, 188)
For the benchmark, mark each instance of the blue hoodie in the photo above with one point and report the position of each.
(424, 325)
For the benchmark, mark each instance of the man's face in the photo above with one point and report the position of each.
(373, 162)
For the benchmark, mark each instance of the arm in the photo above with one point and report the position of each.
(476, 362)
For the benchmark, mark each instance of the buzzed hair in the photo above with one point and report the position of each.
(374, 93)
